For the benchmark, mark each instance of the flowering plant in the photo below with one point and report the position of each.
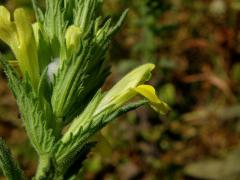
(57, 77)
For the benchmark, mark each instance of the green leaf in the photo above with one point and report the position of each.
(67, 148)
(43, 47)
(83, 119)
(77, 81)
(85, 13)
(37, 10)
(44, 86)
(33, 110)
(10, 168)
(78, 161)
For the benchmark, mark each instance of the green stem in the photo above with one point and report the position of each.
(44, 165)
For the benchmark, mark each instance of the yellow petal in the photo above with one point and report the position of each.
(36, 28)
(26, 53)
(24, 26)
(4, 15)
(8, 31)
(149, 93)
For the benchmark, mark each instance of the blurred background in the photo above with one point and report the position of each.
(196, 48)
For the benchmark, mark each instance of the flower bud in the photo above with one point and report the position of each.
(73, 35)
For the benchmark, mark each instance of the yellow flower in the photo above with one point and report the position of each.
(18, 35)
(130, 86)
